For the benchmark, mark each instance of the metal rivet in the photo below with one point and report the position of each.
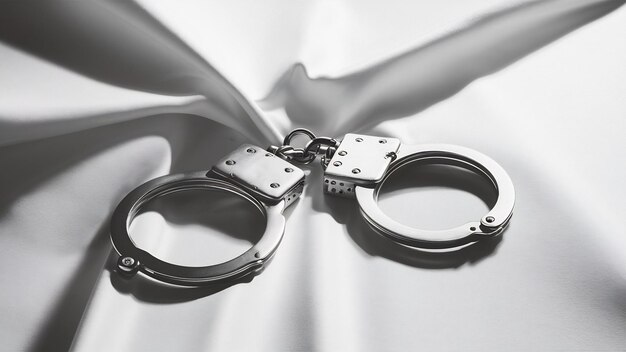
(326, 180)
(382, 141)
(490, 219)
(359, 139)
(356, 171)
(257, 255)
(251, 150)
(333, 182)
(391, 155)
(230, 162)
(127, 261)
(127, 265)
(269, 154)
(337, 163)
(288, 169)
(333, 190)
(274, 185)
(343, 153)
(341, 184)
(472, 228)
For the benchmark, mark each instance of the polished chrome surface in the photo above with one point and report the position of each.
(359, 160)
(492, 224)
(324, 146)
(261, 173)
(133, 259)
(369, 154)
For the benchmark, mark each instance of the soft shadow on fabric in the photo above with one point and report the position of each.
(61, 323)
(197, 227)
(120, 43)
(27, 166)
(50, 157)
(415, 80)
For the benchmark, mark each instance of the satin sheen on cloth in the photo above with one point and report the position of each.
(98, 97)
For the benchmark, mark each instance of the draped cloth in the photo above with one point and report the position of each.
(98, 97)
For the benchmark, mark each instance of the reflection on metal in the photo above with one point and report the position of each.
(492, 224)
(361, 160)
(357, 167)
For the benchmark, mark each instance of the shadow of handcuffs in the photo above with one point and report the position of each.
(355, 168)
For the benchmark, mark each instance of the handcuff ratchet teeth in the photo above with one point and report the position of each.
(355, 167)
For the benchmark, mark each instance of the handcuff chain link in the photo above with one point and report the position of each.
(324, 146)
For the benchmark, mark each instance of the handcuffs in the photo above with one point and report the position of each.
(355, 167)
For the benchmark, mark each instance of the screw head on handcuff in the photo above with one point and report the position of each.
(355, 167)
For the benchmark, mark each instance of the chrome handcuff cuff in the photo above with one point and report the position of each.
(355, 167)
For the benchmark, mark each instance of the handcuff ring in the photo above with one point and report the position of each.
(490, 225)
(270, 184)
(359, 165)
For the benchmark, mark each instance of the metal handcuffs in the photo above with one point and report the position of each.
(355, 167)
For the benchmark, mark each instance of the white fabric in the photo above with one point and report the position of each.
(96, 98)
